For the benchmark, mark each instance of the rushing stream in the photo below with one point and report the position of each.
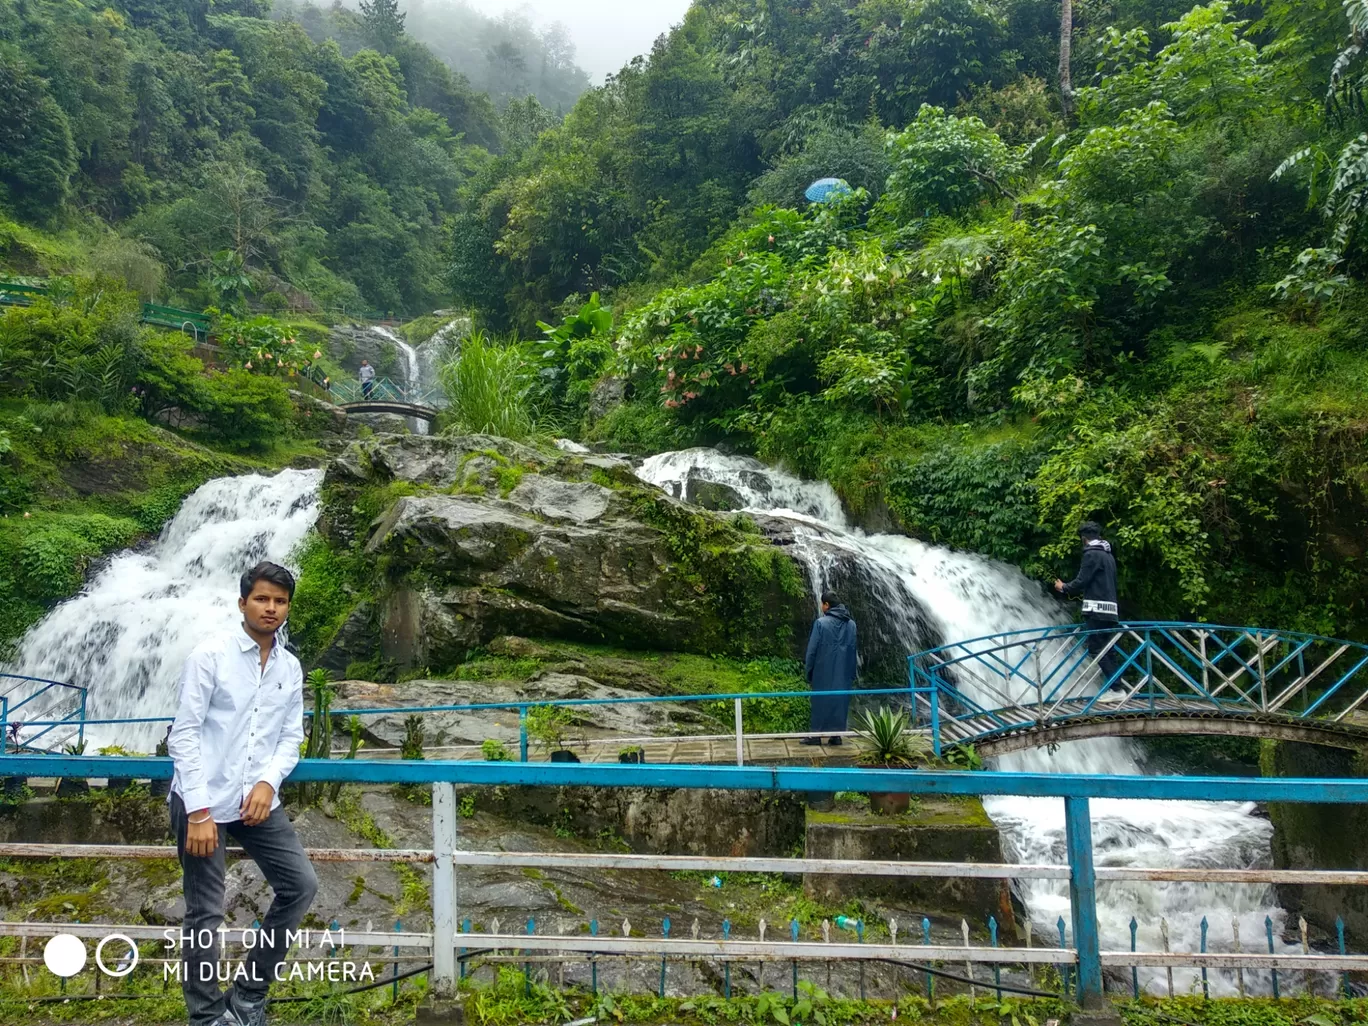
(128, 632)
(924, 596)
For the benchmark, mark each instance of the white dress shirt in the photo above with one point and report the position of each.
(237, 724)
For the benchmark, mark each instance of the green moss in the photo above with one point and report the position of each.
(332, 583)
(959, 812)
(508, 477)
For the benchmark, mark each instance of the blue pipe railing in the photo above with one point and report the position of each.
(1076, 790)
(523, 707)
(1041, 677)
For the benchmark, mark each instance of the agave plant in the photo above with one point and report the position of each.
(884, 738)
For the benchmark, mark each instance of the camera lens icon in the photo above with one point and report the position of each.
(65, 955)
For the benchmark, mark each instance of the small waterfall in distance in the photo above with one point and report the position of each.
(922, 595)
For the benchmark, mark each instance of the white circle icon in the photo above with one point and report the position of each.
(129, 960)
(65, 955)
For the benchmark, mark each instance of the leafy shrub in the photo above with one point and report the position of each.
(943, 164)
(245, 410)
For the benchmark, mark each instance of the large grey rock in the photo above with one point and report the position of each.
(471, 727)
(481, 537)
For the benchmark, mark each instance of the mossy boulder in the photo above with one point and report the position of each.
(465, 539)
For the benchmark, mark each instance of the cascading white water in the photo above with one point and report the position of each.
(936, 595)
(413, 372)
(128, 633)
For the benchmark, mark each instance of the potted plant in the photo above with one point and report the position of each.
(547, 725)
(117, 785)
(883, 740)
(634, 755)
(162, 787)
(73, 787)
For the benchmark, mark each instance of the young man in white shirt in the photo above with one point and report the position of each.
(237, 733)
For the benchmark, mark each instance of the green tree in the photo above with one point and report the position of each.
(383, 22)
(37, 155)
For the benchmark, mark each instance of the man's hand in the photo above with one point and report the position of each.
(201, 838)
(1059, 586)
(257, 808)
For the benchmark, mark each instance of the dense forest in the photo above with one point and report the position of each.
(1121, 282)
(315, 158)
(507, 58)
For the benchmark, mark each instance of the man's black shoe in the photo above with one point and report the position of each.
(834, 741)
(811, 741)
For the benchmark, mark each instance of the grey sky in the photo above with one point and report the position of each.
(607, 33)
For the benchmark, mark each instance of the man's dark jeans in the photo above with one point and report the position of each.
(1110, 661)
(276, 850)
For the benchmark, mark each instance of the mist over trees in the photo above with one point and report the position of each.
(508, 57)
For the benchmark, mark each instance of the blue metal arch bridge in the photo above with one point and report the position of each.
(1033, 688)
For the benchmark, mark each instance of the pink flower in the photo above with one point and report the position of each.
(247, 365)
(705, 375)
(318, 355)
(27, 515)
(771, 240)
(744, 368)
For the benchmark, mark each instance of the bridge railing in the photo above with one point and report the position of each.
(58, 709)
(1080, 954)
(1032, 679)
(711, 711)
(384, 390)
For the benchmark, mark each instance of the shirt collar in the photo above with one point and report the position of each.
(246, 642)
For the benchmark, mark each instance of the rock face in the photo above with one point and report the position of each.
(473, 726)
(1319, 837)
(477, 537)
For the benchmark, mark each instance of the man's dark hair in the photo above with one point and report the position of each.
(271, 572)
(830, 598)
(1090, 529)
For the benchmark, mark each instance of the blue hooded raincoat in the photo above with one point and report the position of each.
(831, 667)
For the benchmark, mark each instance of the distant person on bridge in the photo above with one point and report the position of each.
(367, 376)
(830, 667)
(1096, 582)
(236, 737)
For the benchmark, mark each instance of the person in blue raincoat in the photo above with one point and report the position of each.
(830, 667)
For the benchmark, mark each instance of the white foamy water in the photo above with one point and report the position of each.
(413, 373)
(129, 631)
(926, 595)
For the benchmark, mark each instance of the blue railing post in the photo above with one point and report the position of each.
(522, 733)
(1083, 901)
(997, 969)
(1064, 970)
(793, 932)
(1206, 988)
(1339, 934)
(664, 932)
(1135, 973)
(593, 960)
(930, 983)
(726, 966)
(935, 719)
(394, 984)
(4, 726)
(1268, 929)
(80, 730)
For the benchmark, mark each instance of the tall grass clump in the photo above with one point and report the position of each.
(488, 386)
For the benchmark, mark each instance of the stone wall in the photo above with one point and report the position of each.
(1320, 837)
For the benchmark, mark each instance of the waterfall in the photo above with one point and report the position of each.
(129, 631)
(921, 595)
(413, 373)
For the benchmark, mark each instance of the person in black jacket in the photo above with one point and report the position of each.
(830, 666)
(1096, 582)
